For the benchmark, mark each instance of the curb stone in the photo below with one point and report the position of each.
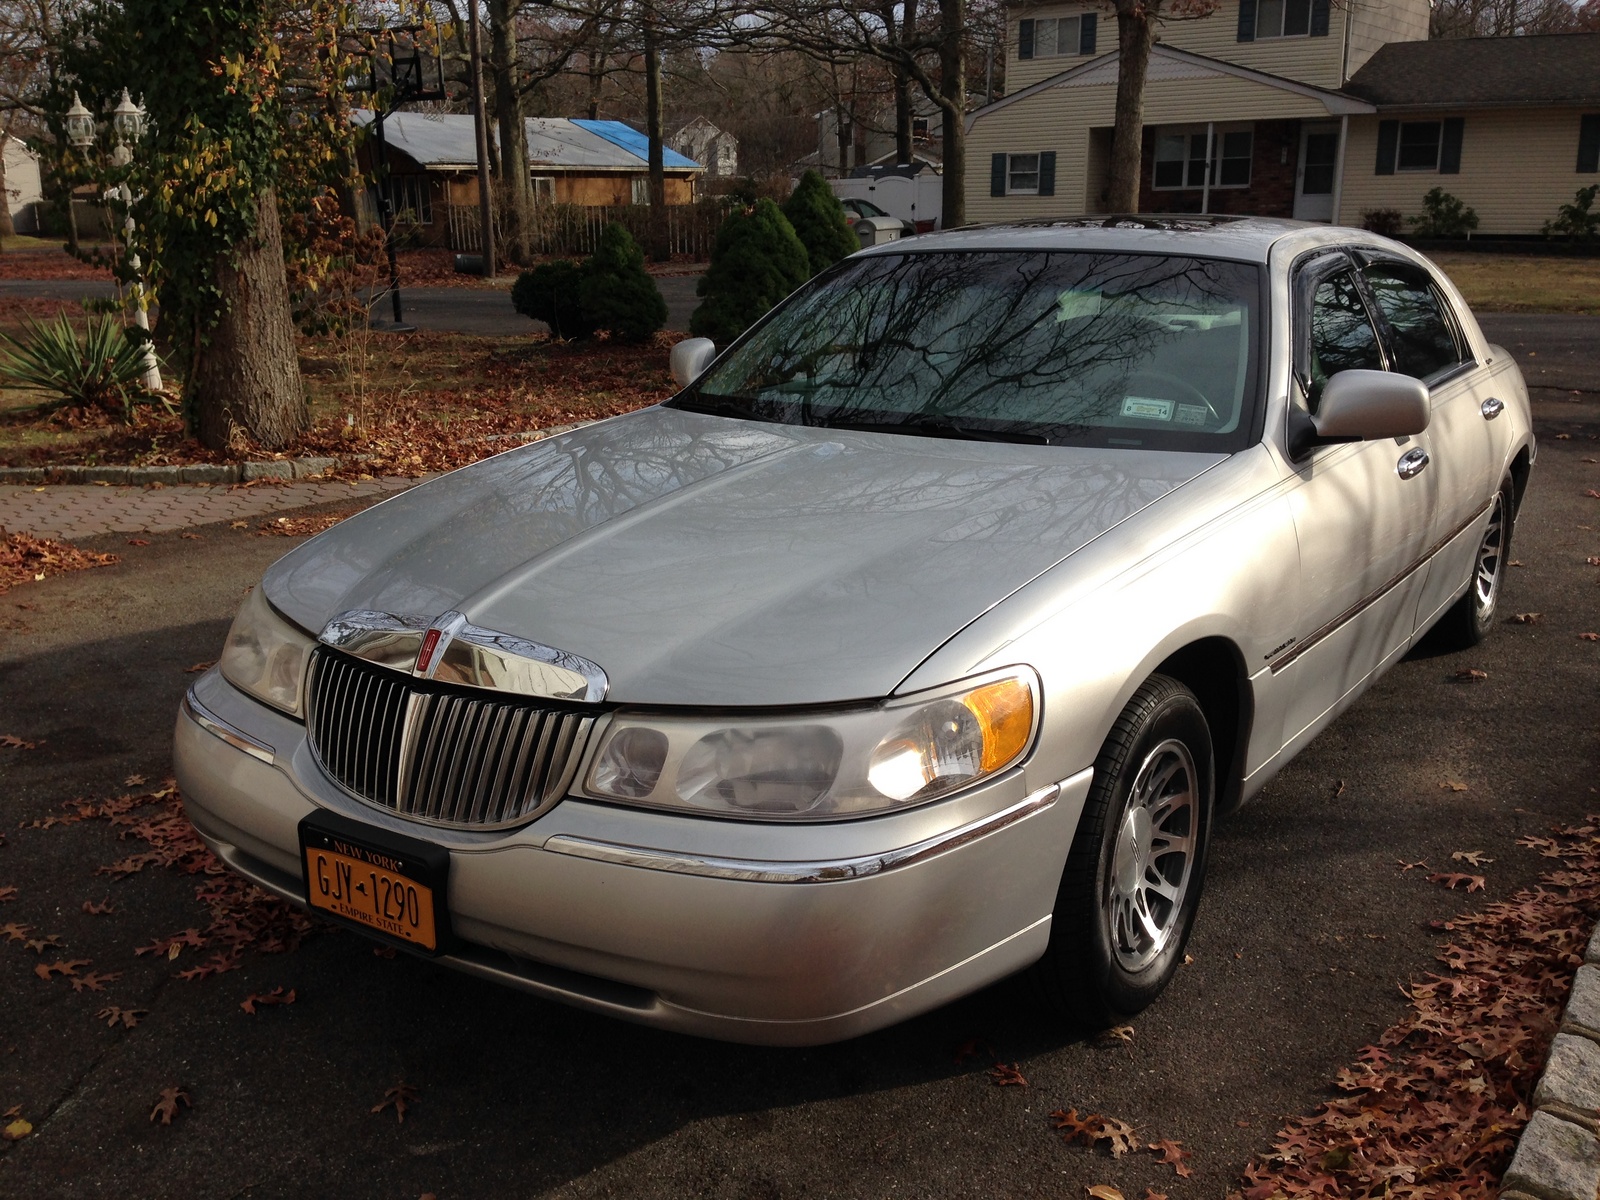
(1558, 1155)
(214, 473)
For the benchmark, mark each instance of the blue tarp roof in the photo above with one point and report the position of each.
(634, 142)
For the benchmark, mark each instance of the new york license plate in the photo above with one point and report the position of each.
(380, 882)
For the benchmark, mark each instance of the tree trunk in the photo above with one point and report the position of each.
(901, 77)
(953, 104)
(246, 381)
(597, 78)
(659, 248)
(513, 134)
(1135, 33)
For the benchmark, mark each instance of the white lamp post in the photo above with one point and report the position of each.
(127, 127)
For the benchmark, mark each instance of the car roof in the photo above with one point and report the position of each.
(1247, 239)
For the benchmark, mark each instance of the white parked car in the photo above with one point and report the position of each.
(917, 641)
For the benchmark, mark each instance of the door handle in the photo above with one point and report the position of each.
(1411, 463)
(1491, 408)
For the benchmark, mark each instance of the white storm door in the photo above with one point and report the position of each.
(1314, 177)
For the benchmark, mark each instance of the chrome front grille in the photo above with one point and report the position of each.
(445, 756)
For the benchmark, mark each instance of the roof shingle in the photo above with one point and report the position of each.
(1543, 69)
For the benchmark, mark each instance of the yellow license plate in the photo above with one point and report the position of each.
(359, 887)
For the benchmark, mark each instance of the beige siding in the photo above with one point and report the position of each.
(1517, 167)
(1313, 60)
(1060, 118)
(1375, 23)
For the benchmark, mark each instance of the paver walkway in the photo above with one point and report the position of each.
(74, 511)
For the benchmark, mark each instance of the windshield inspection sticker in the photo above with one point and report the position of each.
(1147, 409)
(1191, 414)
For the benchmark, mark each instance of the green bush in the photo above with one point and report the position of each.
(1386, 222)
(1577, 220)
(819, 222)
(104, 371)
(757, 261)
(617, 293)
(549, 293)
(1444, 216)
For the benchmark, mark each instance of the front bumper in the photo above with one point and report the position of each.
(755, 933)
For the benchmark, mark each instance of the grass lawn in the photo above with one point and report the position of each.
(22, 241)
(1524, 282)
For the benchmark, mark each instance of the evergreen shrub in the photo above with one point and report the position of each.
(819, 223)
(549, 293)
(617, 293)
(756, 262)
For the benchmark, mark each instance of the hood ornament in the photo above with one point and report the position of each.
(450, 649)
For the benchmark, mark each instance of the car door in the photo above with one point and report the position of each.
(1424, 339)
(1363, 511)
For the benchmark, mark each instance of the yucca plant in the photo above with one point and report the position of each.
(102, 371)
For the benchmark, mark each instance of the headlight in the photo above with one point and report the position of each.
(265, 655)
(819, 766)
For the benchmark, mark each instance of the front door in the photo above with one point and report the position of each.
(1313, 179)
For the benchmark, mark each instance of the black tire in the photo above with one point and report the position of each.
(1469, 620)
(1094, 972)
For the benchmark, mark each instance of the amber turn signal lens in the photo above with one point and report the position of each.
(1004, 711)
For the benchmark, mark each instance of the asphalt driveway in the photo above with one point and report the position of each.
(1307, 932)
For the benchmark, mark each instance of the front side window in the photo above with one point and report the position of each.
(1421, 340)
(1081, 349)
(1342, 334)
(1022, 175)
(1419, 146)
(1181, 157)
(1283, 18)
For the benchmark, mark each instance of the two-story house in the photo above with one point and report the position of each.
(1310, 109)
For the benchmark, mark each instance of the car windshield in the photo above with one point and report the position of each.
(869, 209)
(1082, 349)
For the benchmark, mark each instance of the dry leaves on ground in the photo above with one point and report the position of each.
(94, 981)
(16, 1129)
(1432, 1110)
(266, 999)
(25, 558)
(1006, 1075)
(12, 742)
(1455, 879)
(399, 1097)
(300, 526)
(1470, 675)
(1092, 1129)
(166, 1108)
(1527, 618)
(128, 1018)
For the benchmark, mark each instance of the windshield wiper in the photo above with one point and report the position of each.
(720, 406)
(926, 425)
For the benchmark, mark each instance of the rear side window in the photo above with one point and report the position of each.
(1421, 340)
(1342, 334)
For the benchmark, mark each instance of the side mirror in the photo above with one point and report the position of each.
(1363, 406)
(690, 358)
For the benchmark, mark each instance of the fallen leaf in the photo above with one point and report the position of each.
(1449, 785)
(1151, 1194)
(133, 781)
(400, 1097)
(1455, 879)
(1593, 560)
(1104, 1191)
(191, 537)
(1339, 790)
(12, 741)
(99, 910)
(199, 666)
(1172, 1154)
(1188, 959)
(1117, 1034)
(39, 945)
(1473, 858)
(238, 524)
(1003, 1075)
(1563, 437)
(94, 981)
(1589, 637)
(1470, 675)
(1527, 618)
(17, 1130)
(167, 1107)
(1516, 562)
(1407, 866)
(7, 893)
(128, 1018)
(264, 999)
(66, 969)
(1094, 1129)
(13, 932)
(138, 542)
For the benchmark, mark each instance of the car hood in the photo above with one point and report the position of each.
(707, 561)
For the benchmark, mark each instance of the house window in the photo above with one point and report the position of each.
(1056, 37)
(1022, 175)
(641, 190)
(919, 129)
(544, 189)
(1419, 146)
(1283, 18)
(412, 199)
(1180, 159)
(1589, 144)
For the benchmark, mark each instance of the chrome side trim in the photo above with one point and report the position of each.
(232, 734)
(466, 654)
(820, 871)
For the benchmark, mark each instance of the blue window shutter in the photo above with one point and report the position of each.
(1024, 39)
(1086, 32)
(997, 175)
(1047, 173)
(1319, 18)
(1388, 143)
(1247, 20)
(1450, 146)
(1589, 144)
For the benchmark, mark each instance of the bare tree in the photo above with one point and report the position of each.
(1506, 18)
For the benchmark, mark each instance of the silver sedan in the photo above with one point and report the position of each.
(918, 641)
